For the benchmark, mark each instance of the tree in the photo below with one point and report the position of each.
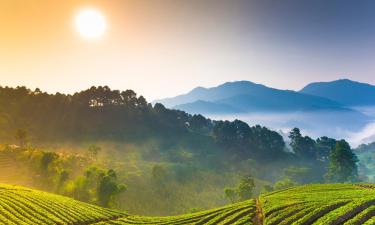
(21, 136)
(298, 174)
(160, 178)
(342, 165)
(230, 194)
(246, 187)
(284, 183)
(109, 188)
(244, 190)
(46, 160)
(324, 147)
(303, 147)
(62, 180)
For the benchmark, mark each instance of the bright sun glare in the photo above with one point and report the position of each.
(90, 23)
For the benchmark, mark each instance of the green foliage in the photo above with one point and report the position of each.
(97, 185)
(298, 174)
(249, 142)
(324, 147)
(231, 194)
(108, 188)
(303, 147)
(246, 187)
(285, 183)
(244, 190)
(342, 164)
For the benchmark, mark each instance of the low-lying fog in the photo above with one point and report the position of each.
(357, 126)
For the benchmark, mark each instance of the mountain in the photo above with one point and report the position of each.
(225, 90)
(245, 96)
(345, 91)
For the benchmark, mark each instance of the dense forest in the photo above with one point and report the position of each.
(100, 113)
(111, 147)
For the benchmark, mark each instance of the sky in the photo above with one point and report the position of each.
(162, 48)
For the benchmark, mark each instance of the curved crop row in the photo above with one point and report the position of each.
(240, 214)
(22, 206)
(25, 206)
(329, 204)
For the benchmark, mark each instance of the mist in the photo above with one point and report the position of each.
(357, 126)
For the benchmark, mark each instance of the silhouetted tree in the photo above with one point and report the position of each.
(342, 164)
(324, 147)
(303, 147)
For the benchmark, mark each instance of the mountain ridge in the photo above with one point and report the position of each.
(246, 96)
(345, 91)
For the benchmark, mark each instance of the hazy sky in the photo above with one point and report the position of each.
(162, 48)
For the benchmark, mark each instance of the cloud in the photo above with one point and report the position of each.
(366, 135)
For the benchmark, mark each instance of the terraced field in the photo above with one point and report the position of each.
(22, 206)
(329, 204)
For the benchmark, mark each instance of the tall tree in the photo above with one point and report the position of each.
(342, 164)
(246, 187)
(324, 147)
(303, 147)
(109, 188)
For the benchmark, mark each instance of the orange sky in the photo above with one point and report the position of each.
(40, 48)
(159, 48)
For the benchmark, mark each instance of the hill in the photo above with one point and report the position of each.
(26, 206)
(308, 204)
(345, 91)
(245, 96)
(331, 204)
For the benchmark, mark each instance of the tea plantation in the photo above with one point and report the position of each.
(326, 204)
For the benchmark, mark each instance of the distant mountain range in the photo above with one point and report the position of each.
(345, 91)
(246, 96)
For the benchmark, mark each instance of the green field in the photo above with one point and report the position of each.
(327, 204)
(22, 206)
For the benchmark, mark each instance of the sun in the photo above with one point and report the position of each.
(90, 23)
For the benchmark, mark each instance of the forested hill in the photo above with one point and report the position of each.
(97, 111)
(100, 112)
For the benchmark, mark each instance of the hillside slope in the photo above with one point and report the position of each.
(345, 91)
(333, 204)
(24, 206)
(329, 204)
